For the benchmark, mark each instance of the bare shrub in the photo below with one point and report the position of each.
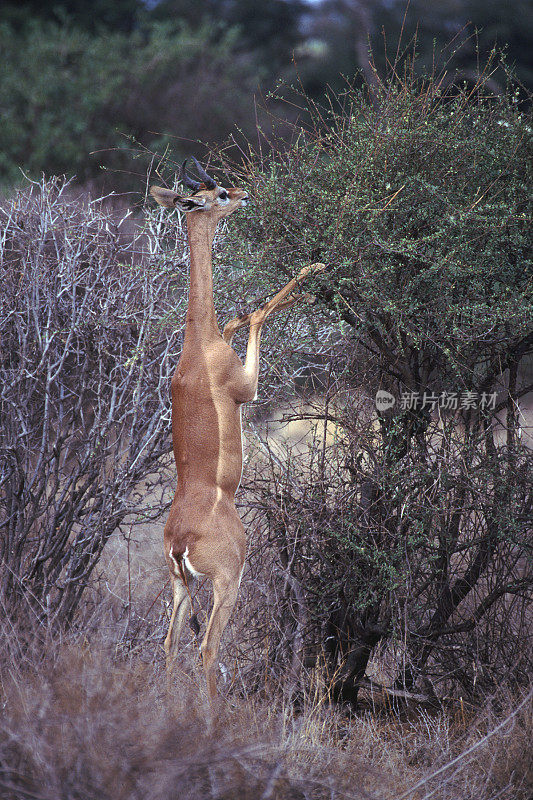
(426, 556)
(86, 326)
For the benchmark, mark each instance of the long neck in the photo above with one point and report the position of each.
(201, 318)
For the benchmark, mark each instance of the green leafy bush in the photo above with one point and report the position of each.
(420, 207)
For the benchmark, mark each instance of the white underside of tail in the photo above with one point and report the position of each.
(186, 561)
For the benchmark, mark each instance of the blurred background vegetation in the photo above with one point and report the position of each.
(84, 83)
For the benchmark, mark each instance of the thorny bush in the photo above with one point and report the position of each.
(419, 204)
(86, 325)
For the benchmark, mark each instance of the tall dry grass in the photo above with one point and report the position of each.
(87, 715)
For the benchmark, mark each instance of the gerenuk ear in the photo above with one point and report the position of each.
(165, 197)
(171, 199)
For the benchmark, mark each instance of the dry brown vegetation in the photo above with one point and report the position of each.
(87, 715)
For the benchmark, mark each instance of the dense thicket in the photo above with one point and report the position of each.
(413, 528)
(82, 92)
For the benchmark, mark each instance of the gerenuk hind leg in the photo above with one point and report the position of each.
(180, 610)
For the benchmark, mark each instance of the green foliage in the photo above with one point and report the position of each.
(66, 93)
(267, 32)
(76, 76)
(420, 208)
(52, 101)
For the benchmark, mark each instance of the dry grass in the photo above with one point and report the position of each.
(85, 718)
